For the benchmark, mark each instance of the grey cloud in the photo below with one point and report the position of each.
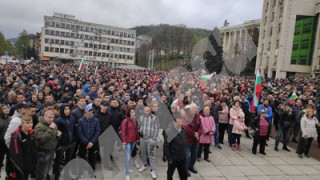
(17, 15)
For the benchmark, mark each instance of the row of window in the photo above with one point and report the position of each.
(269, 46)
(303, 45)
(98, 31)
(303, 60)
(88, 37)
(109, 64)
(271, 31)
(306, 29)
(273, 15)
(88, 45)
(87, 53)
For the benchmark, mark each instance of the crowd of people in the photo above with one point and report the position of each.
(51, 114)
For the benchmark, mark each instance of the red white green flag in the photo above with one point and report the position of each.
(82, 65)
(293, 98)
(257, 91)
(204, 80)
(95, 72)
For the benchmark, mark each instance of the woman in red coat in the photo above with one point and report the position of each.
(129, 137)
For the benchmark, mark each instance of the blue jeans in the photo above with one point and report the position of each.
(191, 155)
(285, 133)
(216, 136)
(129, 148)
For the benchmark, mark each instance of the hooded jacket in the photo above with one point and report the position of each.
(66, 124)
(4, 123)
(13, 125)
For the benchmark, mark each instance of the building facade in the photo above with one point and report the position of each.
(289, 38)
(65, 38)
(35, 43)
(239, 44)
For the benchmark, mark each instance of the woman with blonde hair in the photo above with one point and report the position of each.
(309, 131)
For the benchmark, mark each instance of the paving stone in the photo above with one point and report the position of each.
(240, 161)
(259, 178)
(290, 170)
(250, 171)
(270, 170)
(258, 161)
(301, 177)
(230, 171)
(309, 170)
(209, 171)
(275, 160)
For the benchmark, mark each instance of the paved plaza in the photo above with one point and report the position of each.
(228, 164)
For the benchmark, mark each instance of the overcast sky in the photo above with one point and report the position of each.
(17, 15)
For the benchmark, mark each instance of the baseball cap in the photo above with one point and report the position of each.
(88, 107)
(262, 111)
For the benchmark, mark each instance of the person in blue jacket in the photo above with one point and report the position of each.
(265, 106)
(88, 129)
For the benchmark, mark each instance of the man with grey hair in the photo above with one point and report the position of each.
(47, 135)
(148, 126)
(191, 124)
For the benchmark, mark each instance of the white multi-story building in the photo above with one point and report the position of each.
(289, 42)
(239, 44)
(65, 38)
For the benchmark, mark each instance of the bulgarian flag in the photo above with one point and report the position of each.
(95, 72)
(257, 91)
(174, 104)
(293, 98)
(204, 80)
(82, 65)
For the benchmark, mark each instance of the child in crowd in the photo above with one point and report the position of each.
(22, 150)
(238, 128)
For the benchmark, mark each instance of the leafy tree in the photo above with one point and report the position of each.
(214, 63)
(5, 46)
(23, 44)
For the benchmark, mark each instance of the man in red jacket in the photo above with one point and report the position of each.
(191, 125)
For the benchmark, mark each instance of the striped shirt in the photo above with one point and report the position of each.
(148, 126)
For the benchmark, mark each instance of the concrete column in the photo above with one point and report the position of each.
(245, 44)
(234, 37)
(229, 39)
(224, 40)
(315, 60)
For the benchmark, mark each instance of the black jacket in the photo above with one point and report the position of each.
(255, 125)
(174, 144)
(215, 112)
(66, 124)
(104, 120)
(22, 153)
(287, 118)
(77, 114)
